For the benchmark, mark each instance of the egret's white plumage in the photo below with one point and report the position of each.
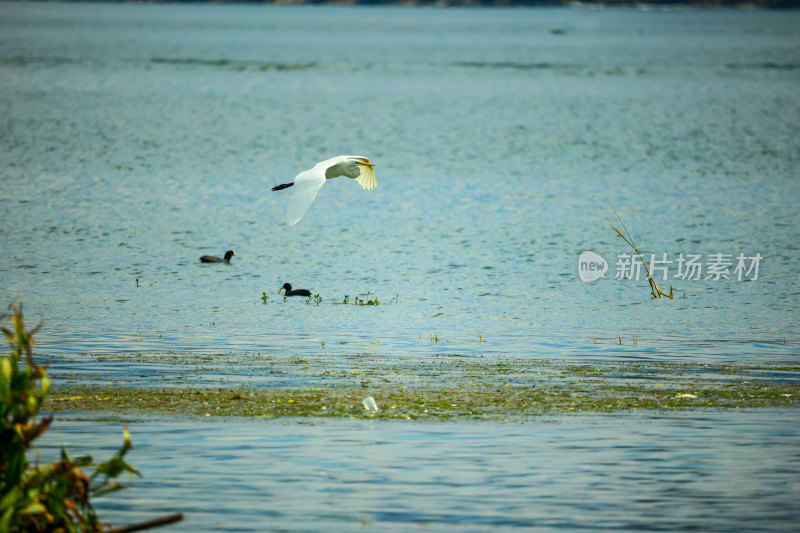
(308, 183)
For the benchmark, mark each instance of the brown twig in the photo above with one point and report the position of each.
(149, 524)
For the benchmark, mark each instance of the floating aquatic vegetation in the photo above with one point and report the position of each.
(463, 387)
(357, 300)
(234, 65)
(317, 299)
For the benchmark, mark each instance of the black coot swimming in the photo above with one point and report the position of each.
(214, 259)
(289, 292)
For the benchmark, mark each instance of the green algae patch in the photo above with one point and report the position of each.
(468, 388)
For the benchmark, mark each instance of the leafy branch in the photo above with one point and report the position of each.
(54, 497)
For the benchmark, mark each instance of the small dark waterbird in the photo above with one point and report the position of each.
(289, 292)
(214, 259)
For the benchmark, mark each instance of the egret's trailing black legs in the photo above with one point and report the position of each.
(282, 186)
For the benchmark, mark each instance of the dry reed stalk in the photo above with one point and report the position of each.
(655, 292)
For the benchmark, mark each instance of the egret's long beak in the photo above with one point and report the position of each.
(365, 164)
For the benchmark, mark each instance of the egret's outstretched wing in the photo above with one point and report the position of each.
(306, 186)
(367, 178)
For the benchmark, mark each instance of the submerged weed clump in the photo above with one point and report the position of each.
(366, 300)
(53, 497)
(317, 299)
(450, 386)
(455, 394)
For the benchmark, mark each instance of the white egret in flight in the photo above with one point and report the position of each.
(308, 183)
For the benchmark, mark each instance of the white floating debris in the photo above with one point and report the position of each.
(369, 404)
(686, 395)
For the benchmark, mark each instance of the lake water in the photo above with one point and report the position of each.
(706, 471)
(136, 138)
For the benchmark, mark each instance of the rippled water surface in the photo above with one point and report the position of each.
(136, 138)
(709, 472)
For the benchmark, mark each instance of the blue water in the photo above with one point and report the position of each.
(136, 138)
(704, 471)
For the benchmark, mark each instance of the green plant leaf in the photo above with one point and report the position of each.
(10, 498)
(34, 508)
(5, 520)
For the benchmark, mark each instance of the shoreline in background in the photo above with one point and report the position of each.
(654, 5)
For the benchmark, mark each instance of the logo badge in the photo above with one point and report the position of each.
(591, 266)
